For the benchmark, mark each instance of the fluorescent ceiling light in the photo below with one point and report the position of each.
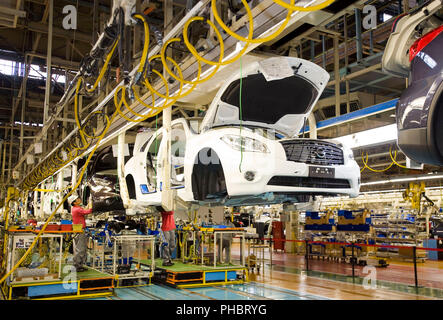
(419, 178)
(370, 137)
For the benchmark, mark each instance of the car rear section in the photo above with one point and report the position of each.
(420, 108)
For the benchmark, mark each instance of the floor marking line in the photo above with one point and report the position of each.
(381, 288)
(199, 294)
(294, 293)
(246, 294)
(148, 294)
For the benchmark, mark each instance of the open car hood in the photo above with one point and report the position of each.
(276, 93)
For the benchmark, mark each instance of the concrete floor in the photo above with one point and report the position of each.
(287, 279)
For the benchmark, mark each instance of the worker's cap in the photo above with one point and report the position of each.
(72, 198)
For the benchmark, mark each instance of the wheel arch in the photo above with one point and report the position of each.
(207, 176)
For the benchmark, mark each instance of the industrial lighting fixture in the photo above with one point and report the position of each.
(418, 178)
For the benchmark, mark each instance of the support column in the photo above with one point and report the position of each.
(95, 22)
(22, 118)
(10, 149)
(358, 38)
(121, 170)
(74, 174)
(4, 163)
(323, 46)
(312, 126)
(337, 76)
(167, 194)
(348, 93)
(49, 64)
(312, 50)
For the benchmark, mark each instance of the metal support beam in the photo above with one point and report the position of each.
(370, 83)
(358, 38)
(15, 12)
(42, 28)
(337, 76)
(323, 47)
(356, 74)
(65, 120)
(95, 21)
(22, 118)
(312, 126)
(124, 193)
(167, 195)
(4, 163)
(312, 50)
(74, 174)
(48, 63)
(345, 31)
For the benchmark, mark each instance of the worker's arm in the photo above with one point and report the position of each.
(85, 211)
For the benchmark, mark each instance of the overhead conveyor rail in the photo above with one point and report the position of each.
(263, 26)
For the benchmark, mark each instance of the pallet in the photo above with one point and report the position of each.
(199, 277)
(88, 284)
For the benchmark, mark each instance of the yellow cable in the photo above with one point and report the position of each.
(105, 67)
(395, 156)
(309, 8)
(365, 162)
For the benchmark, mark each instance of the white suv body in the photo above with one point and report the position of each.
(244, 153)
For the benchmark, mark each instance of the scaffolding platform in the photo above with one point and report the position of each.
(182, 275)
(87, 284)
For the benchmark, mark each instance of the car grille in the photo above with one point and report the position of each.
(309, 182)
(313, 152)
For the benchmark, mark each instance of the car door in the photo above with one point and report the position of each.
(179, 135)
(153, 162)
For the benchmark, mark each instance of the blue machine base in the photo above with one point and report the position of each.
(52, 289)
(220, 276)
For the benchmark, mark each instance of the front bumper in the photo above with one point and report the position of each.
(265, 167)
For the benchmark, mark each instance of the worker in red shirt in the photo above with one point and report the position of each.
(168, 228)
(81, 239)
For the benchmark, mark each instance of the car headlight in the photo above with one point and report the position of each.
(246, 144)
